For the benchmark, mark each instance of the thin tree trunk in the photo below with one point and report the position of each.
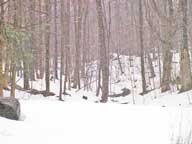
(1, 65)
(1, 49)
(25, 49)
(41, 55)
(167, 58)
(185, 69)
(67, 44)
(144, 89)
(8, 56)
(77, 21)
(56, 42)
(103, 52)
(13, 59)
(62, 50)
(32, 41)
(47, 47)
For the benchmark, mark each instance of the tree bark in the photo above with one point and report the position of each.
(67, 44)
(41, 46)
(56, 42)
(185, 69)
(47, 46)
(78, 25)
(1, 50)
(144, 89)
(167, 58)
(103, 52)
(13, 56)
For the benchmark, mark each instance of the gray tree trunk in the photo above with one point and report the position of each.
(47, 47)
(185, 69)
(144, 89)
(167, 59)
(56, 42)
(103, 53)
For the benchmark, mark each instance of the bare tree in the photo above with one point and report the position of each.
(67, 45)
(186, 81)
(144, 88)
(1, 50)
(56, 41)
(47, 47)
(103, 52)
(77, 4)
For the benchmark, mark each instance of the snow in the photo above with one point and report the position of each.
(131, 79)
(156, 118)
(48, 121)
(73, 123)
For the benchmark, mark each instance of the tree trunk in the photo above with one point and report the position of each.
(14, 46)
(47, 47)
(67, 44)
(167, 58)
(77, 21)
(103, 52)
(56, 42)
(32, 40)
(185, 69)
(144, 89)
(1, 50)
(25, 50)
(1, 63)
(152, 72)
(41, 48)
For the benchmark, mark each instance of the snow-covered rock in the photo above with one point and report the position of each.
(10, 108)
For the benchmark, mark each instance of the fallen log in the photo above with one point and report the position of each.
(35, 91)
(124, 93)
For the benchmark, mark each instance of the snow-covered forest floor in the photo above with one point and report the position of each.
(156, 118)
(129, 79)
(48, 121)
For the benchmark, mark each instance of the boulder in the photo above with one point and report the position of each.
(10, 108)
(85, 97)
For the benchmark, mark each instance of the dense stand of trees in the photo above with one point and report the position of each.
(49, 39)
